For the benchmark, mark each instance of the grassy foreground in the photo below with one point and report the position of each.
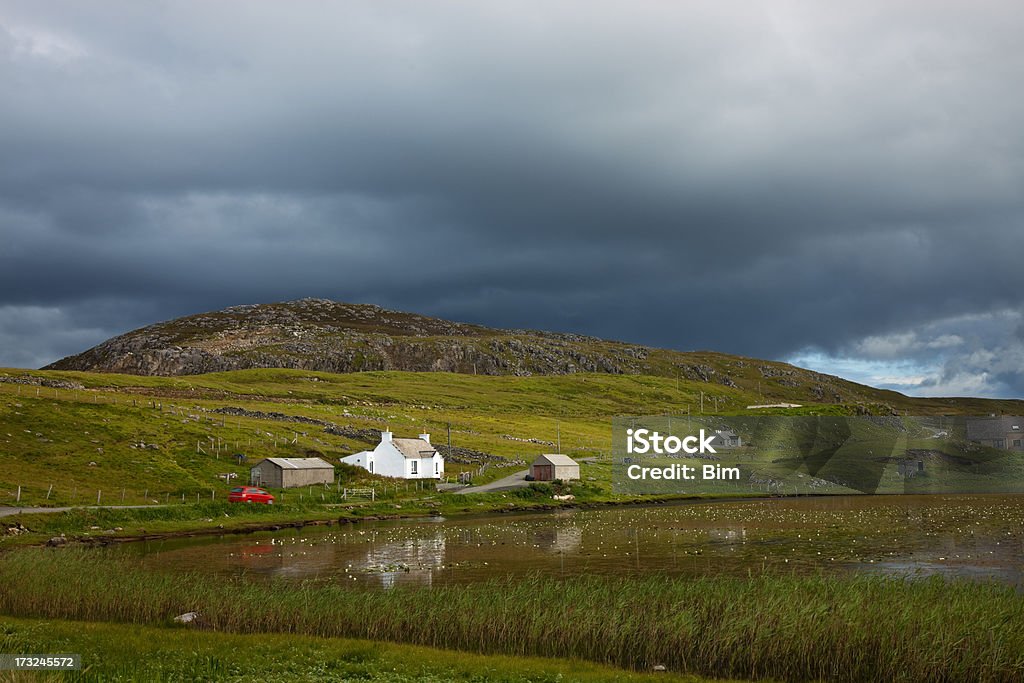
(117, 652)
(762, 627)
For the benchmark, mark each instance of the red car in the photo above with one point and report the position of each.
(250, 494)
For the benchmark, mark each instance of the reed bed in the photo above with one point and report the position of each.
(765, 626)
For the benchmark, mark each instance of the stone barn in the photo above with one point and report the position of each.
(997, 432)
(726, 438)
(287, 473)
(554, 466)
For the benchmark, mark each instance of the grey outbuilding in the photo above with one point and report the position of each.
(997, 432)
(286, 473)
(553, 466)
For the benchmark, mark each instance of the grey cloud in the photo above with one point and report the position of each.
(801, 175)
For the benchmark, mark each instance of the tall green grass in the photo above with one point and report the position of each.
(780, 627)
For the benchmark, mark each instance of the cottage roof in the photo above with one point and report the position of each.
(993, 427)
(414, 448)
(300, 463)
(554, 459)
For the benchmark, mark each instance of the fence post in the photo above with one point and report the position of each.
(373, 495)
(19, 493)
(98, 497)
(49, 491)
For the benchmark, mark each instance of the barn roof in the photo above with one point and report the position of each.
(300, 463)
(993, 427)
(554, 459)
(414, 448)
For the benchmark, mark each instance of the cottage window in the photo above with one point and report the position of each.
(412, 464)
(371, 467)
(437, 468)
(1016, 443)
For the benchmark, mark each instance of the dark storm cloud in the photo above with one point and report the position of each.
(778, 179)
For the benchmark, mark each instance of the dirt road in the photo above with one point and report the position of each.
(515, 480)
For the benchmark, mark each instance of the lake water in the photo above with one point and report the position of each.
(974, 536)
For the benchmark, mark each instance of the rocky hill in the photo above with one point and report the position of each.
(329, 336)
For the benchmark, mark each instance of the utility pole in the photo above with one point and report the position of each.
(702, 403)
(558, 436)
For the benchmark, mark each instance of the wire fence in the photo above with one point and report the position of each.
(72, 495)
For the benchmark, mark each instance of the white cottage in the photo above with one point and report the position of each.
(402, 458)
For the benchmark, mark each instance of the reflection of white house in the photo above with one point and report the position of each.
(409, 561)
(559, 539)
(402, 458)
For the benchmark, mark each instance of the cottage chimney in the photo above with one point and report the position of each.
(425, 437)
(385, 436)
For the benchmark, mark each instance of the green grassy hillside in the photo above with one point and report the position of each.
(67, 438)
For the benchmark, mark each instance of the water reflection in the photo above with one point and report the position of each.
(970, 536)
(558, 539)
(412, 560)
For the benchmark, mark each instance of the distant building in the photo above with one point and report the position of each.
(553, 466)
(908, 469)
(726, 438)
(401, 458)
(286, 473)
(997, 432)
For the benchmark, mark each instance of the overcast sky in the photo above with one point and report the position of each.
(834, 183)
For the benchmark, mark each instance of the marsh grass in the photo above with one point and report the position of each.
(776, 627)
